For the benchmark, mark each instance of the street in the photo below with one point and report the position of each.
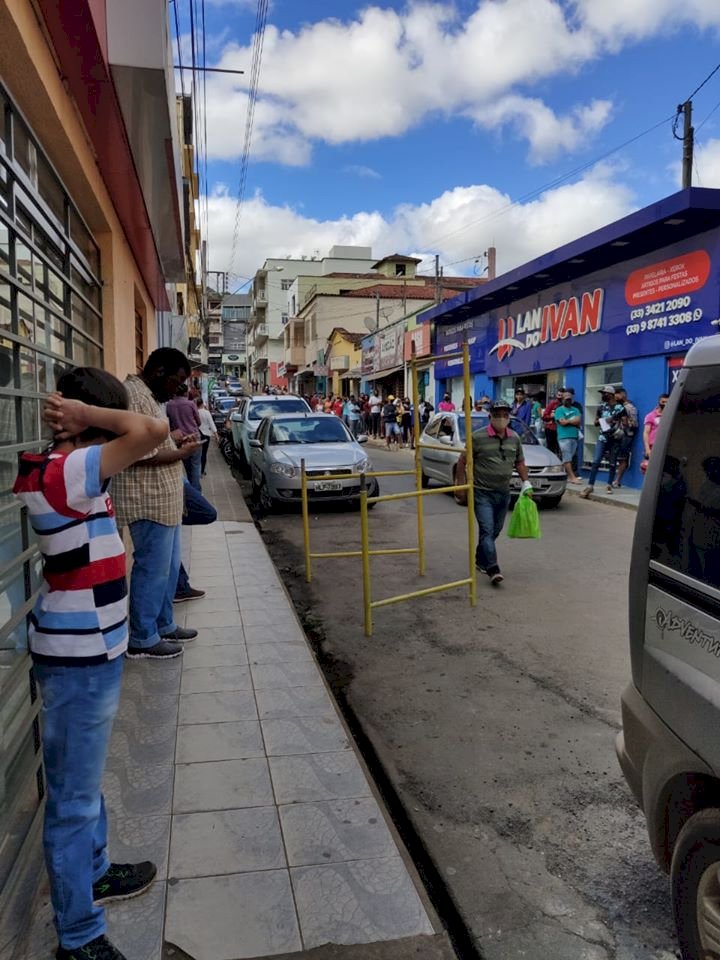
(495, 726)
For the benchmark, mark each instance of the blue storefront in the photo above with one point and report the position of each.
(621, 305)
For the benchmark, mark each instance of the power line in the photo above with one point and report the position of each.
(259, 38)
(707, 78)
(699, 128)
(537, 191)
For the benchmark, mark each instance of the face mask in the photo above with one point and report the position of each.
(499, 423)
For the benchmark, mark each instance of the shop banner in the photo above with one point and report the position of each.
(657, 304)
(383, 349)
(419, 337)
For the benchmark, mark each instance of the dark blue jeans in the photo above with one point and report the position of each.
(197, 511)
(491, 507)
(193, 468)
(79, 705)
(605, 449)
(154, 577)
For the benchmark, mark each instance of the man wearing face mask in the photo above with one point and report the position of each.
(497, 451)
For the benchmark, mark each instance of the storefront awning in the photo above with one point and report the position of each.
(381, 374)
(355, 374)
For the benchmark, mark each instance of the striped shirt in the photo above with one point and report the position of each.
(80, 616)
(495, 458)
(149, 492)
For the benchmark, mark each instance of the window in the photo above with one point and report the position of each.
(139, 341)
(686, 535)
(432, 428)
(400, 269)
(285, 284)
(284, 318)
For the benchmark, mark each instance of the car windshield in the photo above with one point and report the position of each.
(269, 408)
(309, 430)
(517, 426)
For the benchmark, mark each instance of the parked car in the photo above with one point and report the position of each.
(234, 388)
(222, 408)
(251, 410)
(668, 748)
(547, 475)
(326, 445)
(217, 394)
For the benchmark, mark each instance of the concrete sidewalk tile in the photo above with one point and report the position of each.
(200, 742)
(222, 618)
(151, 678)
(233, 917)
(218, 591)
(211, 636)
(270, 635)
(222, 707)
(131, 839)
(215, 679)
(294, 702)
(137, 924)
(271, 676)
(304, 735)
(129, 743)
(216, 655)
(360, 902)
(209, 605)
(335, 830)
(226, 841)
(137, 789)
(276, 618)
(222, 785)
(319, 776)
(281, 652)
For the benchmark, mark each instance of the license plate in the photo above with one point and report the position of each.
(322, 485)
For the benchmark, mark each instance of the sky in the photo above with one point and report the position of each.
(445, 127)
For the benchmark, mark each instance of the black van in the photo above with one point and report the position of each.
(669, 747)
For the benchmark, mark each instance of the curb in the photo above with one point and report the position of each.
(602, 498)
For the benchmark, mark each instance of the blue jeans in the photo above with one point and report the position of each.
(79, 705)
(605, 449)
(193, 467)
(197, 511)
(154, 577)
(491, 507)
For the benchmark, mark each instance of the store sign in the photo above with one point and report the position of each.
(420, 339)
(657, 304)
(368, 364)
(383, 350)
(674, 366)
(339, 363)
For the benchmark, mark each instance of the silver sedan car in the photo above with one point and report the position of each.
(547, 474)
(329, 449)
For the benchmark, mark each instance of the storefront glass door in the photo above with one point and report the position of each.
(596, 377)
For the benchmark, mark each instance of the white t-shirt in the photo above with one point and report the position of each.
(207, 424)
(375, 404)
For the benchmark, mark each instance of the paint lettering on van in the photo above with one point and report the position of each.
(671, 622)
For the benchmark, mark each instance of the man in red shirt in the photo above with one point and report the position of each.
(548, 417)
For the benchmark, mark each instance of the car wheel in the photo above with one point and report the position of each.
(243, 465)
(266, 501)
(695, 883)
(550, 501)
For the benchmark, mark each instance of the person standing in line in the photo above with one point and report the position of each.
(149, 501)
(338, 407)
(497, 451)
(522, 407)
(406, 424)
(392, 430)
(353, 416)
(629, 425)
(208, 432)
(425, 410)
(375, 409)
(548, 416)
(607, 420)
(570, 391)
(538, 404)
(184, 416)
(651, 424)
(446, 405)
(567, 419)
(77, 636)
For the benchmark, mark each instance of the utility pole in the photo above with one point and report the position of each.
(688, 143)
(437, 278)
(377, 310)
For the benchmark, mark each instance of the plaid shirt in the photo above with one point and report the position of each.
(148, 492)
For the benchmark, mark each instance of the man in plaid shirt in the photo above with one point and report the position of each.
(148, 499)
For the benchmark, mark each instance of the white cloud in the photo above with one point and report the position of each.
(459, 224)
(359, 170)
(707, 165)
(385, 71)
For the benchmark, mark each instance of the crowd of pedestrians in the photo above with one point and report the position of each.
(146, 435)
(390, 419)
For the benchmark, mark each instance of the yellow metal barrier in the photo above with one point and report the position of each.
(419, 494)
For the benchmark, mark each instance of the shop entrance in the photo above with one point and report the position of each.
(538, 386)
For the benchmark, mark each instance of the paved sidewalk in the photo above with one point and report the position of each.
(231, 768)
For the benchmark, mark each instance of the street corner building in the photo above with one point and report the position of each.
(620, 306)
(93, 236)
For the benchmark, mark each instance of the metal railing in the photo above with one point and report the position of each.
(419, 494)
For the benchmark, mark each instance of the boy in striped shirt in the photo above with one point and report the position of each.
(77, 635)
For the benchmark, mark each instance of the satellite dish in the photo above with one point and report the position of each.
(371, 324)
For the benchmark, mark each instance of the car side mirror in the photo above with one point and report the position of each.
(256, 443)
(363, 438)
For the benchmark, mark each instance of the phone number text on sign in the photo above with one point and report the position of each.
(661, 323)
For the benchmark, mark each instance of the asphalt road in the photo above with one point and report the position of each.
(496, 725)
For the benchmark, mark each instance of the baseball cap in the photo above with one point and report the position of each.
(499, 406)
(608, 388)
(390, 398)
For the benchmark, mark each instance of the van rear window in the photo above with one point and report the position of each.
(686, 534)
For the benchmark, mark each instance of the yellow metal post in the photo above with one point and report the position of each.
(306, 522)
(365, 550)
(418, 463)
(472, 587)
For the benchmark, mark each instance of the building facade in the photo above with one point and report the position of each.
(235, 314)
(620, 306)
(91, 233)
